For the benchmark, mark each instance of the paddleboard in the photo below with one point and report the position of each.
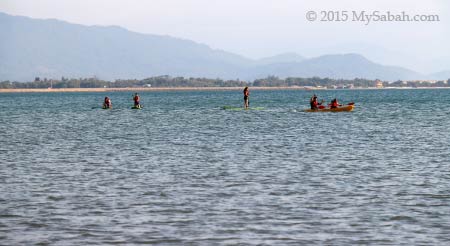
(240, 108)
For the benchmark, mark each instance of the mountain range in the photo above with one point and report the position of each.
(52, 48)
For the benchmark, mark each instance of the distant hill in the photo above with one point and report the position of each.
(52, 48)
(345, 66)
(443, 75)
(32, 48)
(281, 58)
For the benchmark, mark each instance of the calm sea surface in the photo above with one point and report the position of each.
(182, 171)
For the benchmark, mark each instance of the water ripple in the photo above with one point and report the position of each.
(184, 172)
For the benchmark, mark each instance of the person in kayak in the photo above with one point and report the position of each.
(136, 100)
(314, 102)
(334, 103)
(107, 103)
(246, 96)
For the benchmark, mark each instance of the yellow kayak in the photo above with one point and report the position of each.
(345, 108)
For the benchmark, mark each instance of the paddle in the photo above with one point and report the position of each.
(350, 103)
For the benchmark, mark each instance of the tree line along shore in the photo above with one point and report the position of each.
(182, 82)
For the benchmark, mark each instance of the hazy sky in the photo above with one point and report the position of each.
(259, 28)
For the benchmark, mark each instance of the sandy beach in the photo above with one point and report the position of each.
(35, 90)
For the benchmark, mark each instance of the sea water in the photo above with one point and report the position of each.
(182, 171)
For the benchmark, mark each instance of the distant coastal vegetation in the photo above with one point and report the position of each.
(168, 81)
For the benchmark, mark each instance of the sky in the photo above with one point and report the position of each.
(261, 28)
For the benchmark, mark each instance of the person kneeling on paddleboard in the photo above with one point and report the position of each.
(136, 100)
(107, 103)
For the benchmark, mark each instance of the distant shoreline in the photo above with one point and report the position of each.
(192, 89)
(148, 89)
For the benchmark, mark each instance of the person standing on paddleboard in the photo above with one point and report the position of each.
(136, 100)
(246, 96)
